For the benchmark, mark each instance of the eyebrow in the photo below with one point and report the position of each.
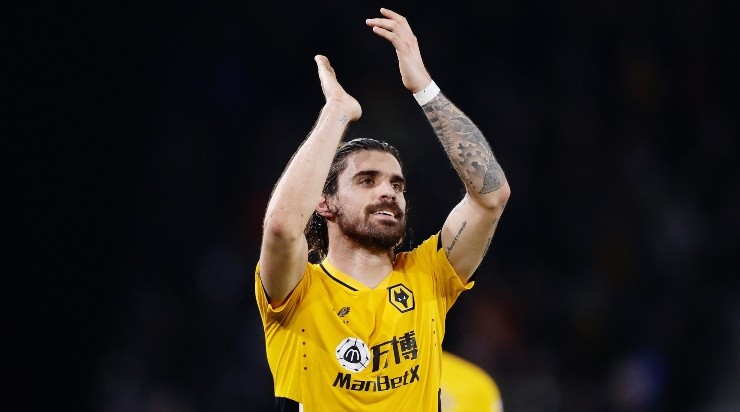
(374, 173)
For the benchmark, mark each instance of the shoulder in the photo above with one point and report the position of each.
(428, 248)
(310, 274)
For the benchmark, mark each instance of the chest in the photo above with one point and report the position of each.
(391, 325)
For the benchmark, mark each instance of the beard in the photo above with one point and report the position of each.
(375, 235)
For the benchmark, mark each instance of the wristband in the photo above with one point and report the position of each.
(427, 94)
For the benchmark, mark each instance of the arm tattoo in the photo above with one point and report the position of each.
(465, 145)
(449, 249)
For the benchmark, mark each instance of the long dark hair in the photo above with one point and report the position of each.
(316, 232)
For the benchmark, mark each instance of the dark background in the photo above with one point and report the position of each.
(149, 137)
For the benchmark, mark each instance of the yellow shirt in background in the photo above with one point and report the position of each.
(467, 388)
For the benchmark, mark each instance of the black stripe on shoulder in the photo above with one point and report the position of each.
(335, 279)
(286, 405)
(439, 240)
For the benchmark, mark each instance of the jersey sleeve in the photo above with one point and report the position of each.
(448, 283)
(282, 313)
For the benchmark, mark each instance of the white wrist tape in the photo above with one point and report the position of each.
(427, 94)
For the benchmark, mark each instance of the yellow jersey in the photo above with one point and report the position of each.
(337, 345)
(467, 388)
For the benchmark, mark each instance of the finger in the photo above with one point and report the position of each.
(322, 63)
(394, 16)
(387, 24)
(391, 31)
(386, 34)
(402, 44)
(326, 73)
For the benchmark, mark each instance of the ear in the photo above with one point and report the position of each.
(325, 209)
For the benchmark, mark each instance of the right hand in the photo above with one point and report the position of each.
(395, 28)
(333, 91)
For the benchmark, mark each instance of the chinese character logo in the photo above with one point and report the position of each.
(401, 297)
(404, 346)
(353, 354)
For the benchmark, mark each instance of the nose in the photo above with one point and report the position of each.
(387, 191)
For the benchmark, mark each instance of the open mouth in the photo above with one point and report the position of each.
(386, 209)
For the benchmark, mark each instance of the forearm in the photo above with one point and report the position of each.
(298, 191)
(468, 151)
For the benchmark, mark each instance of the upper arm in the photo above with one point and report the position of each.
(467, 233)
(282, 264)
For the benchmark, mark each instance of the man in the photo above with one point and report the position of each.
(363, 329)
(467, 388)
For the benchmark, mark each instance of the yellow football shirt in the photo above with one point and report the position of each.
(467, 388)
(337, 345)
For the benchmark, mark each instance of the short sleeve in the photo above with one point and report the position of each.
(448, 283)
(268, 313)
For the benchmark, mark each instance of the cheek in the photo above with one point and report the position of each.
(401, 200)
(351, 201)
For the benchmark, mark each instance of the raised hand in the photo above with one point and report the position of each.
(333, 91)
(395, 28)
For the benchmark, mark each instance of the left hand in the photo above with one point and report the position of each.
(395, 28)
(333, 91)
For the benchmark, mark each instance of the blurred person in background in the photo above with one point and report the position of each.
(467, 388)
(362, 329)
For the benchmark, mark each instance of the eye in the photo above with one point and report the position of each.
(398, 187)
(366, 181)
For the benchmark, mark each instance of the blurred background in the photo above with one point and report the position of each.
(155, 133)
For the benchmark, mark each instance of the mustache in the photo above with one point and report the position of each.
(389, 206)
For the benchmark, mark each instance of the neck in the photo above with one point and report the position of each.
(366, 266)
